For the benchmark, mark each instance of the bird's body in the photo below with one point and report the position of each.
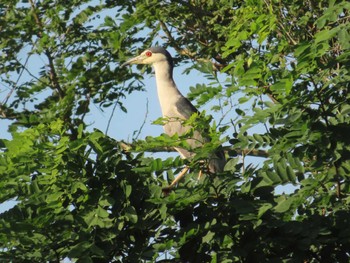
(175, 107)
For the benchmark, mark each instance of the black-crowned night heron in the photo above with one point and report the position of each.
(175, 107)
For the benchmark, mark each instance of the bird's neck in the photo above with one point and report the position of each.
(166, 87)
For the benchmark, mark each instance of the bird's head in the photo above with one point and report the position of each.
(151, 56)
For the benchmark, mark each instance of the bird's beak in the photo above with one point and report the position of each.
(136, 60)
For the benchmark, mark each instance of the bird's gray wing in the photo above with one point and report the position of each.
(185, 107)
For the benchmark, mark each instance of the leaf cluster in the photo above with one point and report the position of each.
(283, 90)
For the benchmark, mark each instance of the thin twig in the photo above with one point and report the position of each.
(181, 51)
(110, 117)
(143, 123)
(185, 51)
(18, 78)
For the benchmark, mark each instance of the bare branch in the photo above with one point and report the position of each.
(110, 117)
(143, 123)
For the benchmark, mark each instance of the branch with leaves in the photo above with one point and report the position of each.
(135, 147)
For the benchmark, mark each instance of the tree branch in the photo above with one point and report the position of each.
(186, 52)
(129, 147)
(53, 75)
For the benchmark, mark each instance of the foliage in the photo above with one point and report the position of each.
(81, 195)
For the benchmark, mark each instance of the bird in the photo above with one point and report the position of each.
(176, 108)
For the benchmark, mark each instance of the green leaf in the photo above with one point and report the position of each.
(131, 214)
(94, 137)
(263, 209)
(77, 250)
(283, 204)
(290, 174)
(325, 35)
(128, 189)
(231, 165)
(208, 237)
(344, 38)
(281, 170)
(283, 86)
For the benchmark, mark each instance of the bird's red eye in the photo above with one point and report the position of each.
(148, 53)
